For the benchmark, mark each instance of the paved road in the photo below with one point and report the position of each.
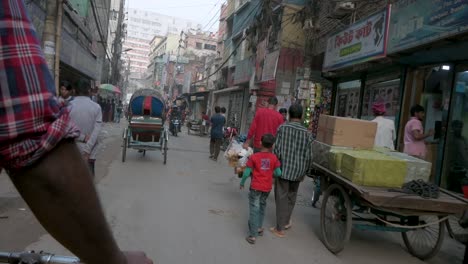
(191, 211)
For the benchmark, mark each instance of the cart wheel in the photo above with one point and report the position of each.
(165, 149)
(454, 229)
(335, 218)
(424, 242)
(124, 145)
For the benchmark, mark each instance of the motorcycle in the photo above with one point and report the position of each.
(175, 126)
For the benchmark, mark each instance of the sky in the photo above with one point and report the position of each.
(204, 12)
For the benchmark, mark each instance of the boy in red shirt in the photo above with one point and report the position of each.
(264, 165)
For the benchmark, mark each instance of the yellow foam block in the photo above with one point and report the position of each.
(371, 168)
(334, 158)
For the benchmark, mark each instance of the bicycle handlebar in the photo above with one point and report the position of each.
(40, 258)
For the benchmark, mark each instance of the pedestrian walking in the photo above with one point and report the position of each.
(119, 110)
(266, 121)
(66, 92)
(414, 133)
(38, 152)
(284, 113)
(293, 148)
(261, 166)
(205, 123)
(223, 113)
(87, 115)
(217, 122)
(385, 136)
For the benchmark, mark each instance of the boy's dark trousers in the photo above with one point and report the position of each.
(257, 204)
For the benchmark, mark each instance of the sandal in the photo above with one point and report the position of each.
(277, 233)
(250, 239)
(260, 232)
(288, 226)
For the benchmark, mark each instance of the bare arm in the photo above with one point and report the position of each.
(61, 194)
(420, 136)
(251, 133)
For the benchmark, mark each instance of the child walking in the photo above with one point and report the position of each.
(264, 165)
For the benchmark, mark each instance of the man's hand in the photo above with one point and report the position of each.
(86, 139)
(86, 156)
(431, 132)
(137, 257)
(246, 145)
(241, 187)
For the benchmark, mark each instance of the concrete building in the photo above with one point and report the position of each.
(83, 38)
(142, 27)
(200, 44)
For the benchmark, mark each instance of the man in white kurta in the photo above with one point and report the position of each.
(386, 135)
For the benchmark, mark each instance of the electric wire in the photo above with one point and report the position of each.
(98, 25)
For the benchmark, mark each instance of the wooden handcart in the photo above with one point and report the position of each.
(146, 130)
(420, 221)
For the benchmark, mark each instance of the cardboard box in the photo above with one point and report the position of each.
(374, 169)
(322, 128)
(347, 132)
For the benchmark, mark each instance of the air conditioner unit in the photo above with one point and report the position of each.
(344, 8)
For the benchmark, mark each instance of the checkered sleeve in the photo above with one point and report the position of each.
(32, 122)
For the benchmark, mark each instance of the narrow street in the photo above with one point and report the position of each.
(192, 211)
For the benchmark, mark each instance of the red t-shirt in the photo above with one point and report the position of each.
(263, 164)
(265, 121)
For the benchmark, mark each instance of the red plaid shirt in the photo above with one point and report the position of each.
(31, 119)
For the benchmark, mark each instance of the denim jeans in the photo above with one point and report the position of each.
(257, 204)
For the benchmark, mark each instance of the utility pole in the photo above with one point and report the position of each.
(52, 36)
(117, 46)
(176, 64)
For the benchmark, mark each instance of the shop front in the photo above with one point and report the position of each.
(417, 66)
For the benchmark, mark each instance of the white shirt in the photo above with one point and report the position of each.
(87, 116)
(385, 136)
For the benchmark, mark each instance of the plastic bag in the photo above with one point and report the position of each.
(233, 150)
(245, 154)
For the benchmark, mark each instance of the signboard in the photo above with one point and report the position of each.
(270, 65)
(363, 41)
(418, 22)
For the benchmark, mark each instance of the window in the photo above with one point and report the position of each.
(198, 45)
(387, 92)
(210, 47)
(347, 100)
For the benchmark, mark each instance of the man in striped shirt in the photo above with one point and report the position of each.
(293, 149)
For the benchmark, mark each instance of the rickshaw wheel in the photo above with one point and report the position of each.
(165, 149)
(454, 229)
(424, 243)
(335, 218)
(124, 145)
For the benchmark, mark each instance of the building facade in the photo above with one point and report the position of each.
(410, 63)
(83, 52)
(142, 26)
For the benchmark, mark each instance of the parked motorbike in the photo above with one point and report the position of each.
(175, 126)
